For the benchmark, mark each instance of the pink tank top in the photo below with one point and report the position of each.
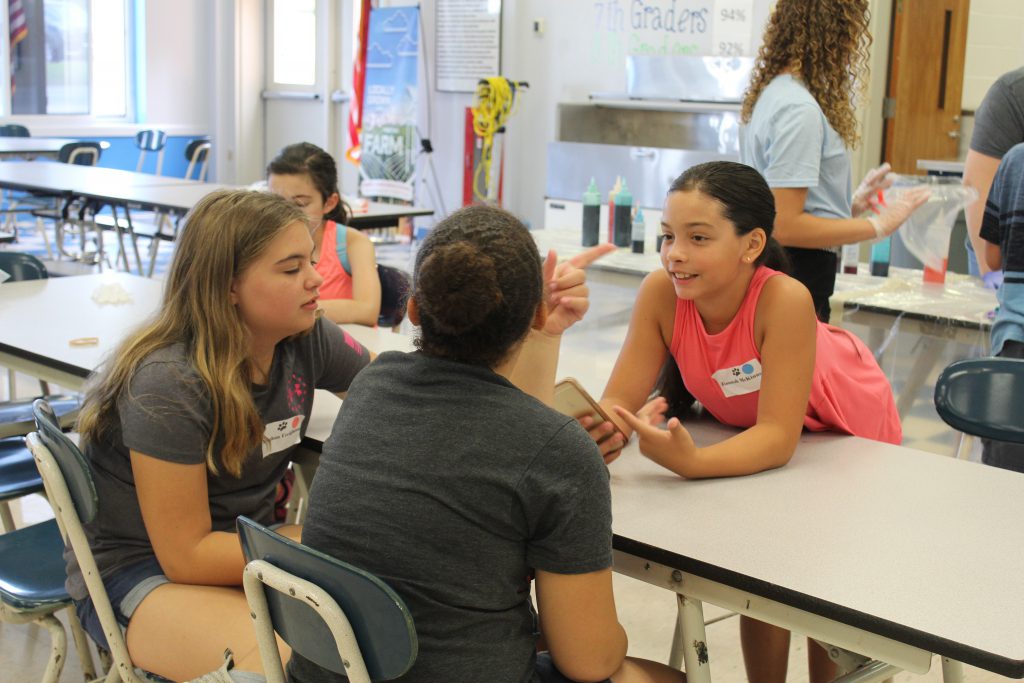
(849, 393)
(337, 283)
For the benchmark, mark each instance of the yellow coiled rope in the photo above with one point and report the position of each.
(495, 102)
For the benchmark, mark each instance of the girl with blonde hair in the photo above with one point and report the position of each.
(193, 423)
(798, 127)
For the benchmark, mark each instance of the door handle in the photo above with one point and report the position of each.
(953, 134)
(289, 95)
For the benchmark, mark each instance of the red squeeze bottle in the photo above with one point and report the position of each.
(611, 207)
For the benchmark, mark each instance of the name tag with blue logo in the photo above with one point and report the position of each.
(744, 378)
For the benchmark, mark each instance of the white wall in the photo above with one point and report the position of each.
(995, 45)
(179, 51)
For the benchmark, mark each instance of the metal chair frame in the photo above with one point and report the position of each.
(295, 595)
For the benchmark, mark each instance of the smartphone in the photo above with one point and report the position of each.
(574, 401)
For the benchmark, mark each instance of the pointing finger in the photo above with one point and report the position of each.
(585, 258)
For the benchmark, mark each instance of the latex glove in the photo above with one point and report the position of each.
(867, 196)
(993, 279)
(896, 211)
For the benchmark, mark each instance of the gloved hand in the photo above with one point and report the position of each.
(993, 279)
(898, 210)
(867, 196)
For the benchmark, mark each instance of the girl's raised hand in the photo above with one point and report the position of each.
(671, 448)
(566, 283)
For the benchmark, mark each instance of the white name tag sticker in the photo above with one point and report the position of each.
(277, 436)
(744, 378)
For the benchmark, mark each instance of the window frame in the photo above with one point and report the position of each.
(134, 47)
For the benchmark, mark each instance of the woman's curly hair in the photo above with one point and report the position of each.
(825, 44)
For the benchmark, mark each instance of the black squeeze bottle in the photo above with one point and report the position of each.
(591, 215)
(623, 216)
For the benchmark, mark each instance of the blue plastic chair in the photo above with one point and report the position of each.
(14, 130)
(32, 590)
(337, 616)
(72, 495)
(80, 153)
(983, 397)
(151, 141)
(197, 154)
(18, 476)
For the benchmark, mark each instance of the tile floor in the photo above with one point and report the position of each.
(647, 613)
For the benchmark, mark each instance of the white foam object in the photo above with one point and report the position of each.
(112, 293)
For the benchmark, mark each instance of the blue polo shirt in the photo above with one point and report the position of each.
(791, 143)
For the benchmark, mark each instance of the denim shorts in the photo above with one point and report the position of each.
(126, 589)
(545, 671)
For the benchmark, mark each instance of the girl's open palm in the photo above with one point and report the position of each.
(672, 448)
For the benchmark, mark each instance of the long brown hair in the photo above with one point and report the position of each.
(825, 44)
(225, 232)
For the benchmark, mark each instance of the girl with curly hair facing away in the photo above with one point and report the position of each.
(798, 127)
(748, 347)
(307, 175)
(453, 486)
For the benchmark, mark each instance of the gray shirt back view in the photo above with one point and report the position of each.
(999, 120)
(452, 485)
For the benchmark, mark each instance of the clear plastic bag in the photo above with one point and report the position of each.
(926, 233)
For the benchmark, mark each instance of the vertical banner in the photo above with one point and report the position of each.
(388, 140)
(355, 109)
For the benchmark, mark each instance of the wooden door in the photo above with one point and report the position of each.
(926, 75)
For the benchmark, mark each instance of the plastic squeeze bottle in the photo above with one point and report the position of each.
(611, 207)
(639, 231)
(623, 216)
(591, 215)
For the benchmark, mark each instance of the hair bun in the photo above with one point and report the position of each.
(458, 287)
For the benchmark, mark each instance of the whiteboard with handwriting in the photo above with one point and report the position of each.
(670, 28)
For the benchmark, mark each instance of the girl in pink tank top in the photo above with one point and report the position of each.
(744, 337)
(748, 347)
(307, 175)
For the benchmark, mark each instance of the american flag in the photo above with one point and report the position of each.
(18, 22)
(19, 29)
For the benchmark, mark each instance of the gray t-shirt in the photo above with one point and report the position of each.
(166, 414)
(999, 120)
(452, 485)
(791, 143)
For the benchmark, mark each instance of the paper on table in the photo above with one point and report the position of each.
(4, 276)
(112, 293)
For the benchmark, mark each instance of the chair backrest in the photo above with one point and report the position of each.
(394, 294)
(197, 153)
(72, 495)
(151, 141)
(14, 130)
(22, 266)
(380, 624)
(80, 153)
(983, 397)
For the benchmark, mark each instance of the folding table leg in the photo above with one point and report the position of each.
(689, 642)
(952, 671)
